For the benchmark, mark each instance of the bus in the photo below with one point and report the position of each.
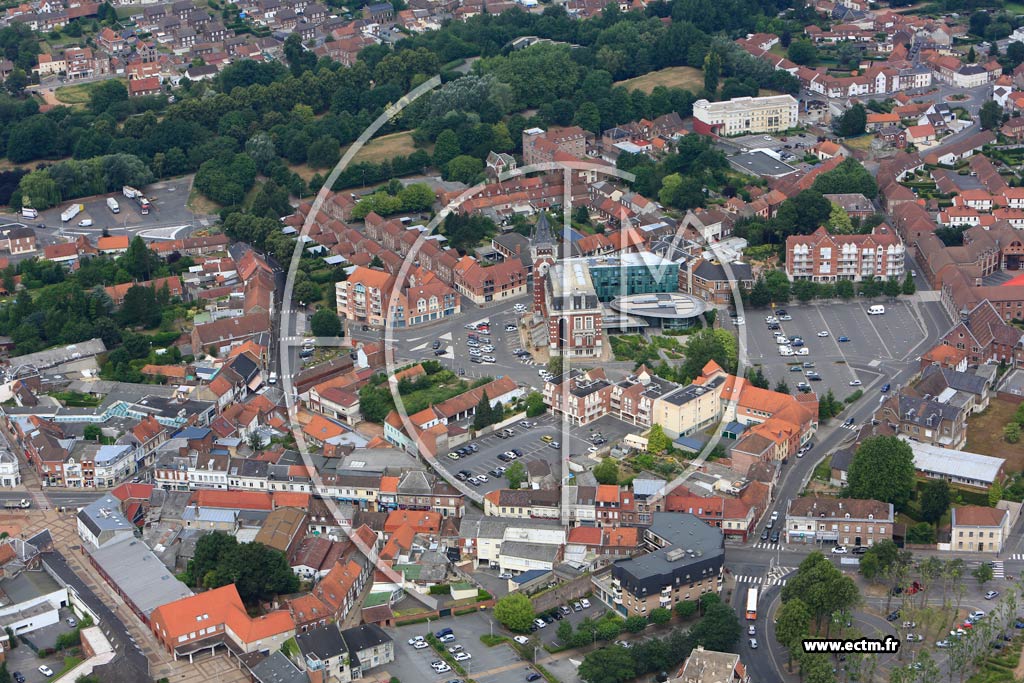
(752, 604)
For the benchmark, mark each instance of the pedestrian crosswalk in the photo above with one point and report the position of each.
(765, 545)
(852, 428)
(1018, 557)
(776, 577)
(998, 571)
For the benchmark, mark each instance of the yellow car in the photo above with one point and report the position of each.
(547, 438)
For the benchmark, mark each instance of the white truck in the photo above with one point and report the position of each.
(71, 212)
(29, 212)
(113, 205)
(22, 504)
(137, 195)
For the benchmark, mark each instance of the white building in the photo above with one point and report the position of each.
(10, 474)
(746, 115)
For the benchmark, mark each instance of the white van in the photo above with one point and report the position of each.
(877, 309)
(785, 350)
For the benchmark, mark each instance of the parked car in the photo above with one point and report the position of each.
(43, 669)
(522, 640)
(991, 595)
(533, 676)
(585, 603)
(540, 623)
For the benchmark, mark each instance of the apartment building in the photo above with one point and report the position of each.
(579, 397)
(369, 295)
(841, 521)
(979, 529)
(746, 115)
(935, 420)
(821, 257)
(684, 561)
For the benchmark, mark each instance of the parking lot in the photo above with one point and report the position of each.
(498, 664)
(891, 336)
(573, 442)
(168, 208)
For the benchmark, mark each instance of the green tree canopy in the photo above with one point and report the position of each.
(882, 469)
(514, 612)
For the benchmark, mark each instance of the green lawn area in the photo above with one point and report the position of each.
(77, 94)
(637, 348)
(985, 435)
(685, 77)
(69, 664)
(823, 471)
(75, 399)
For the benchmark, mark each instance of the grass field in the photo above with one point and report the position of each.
(386, 147)
(685, 77)
(74, 94)
(985, 435)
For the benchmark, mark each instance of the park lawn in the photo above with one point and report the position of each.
(386, 147)
(685, 77)
(985, 435)
(200, 204)
(77, 94)
(861, 142)
(823, 470)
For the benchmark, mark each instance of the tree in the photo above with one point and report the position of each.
(555, 365)
(323, 152)
(995, 494)
(660, 615)
(882, 469)
(636, 623)
(844, 289)
(607, 665)
(657, 441)
(1011, 432)
(712, 71)
(983, 573)
(607, 629)
(535, 404)
(990, 115)
(782, 388)
(16, 82)
(852, 122)
(923, 533)
(935, 500)
(686, 609)
(760, 295)
(258, 572)
(446, 147)
(878, 559)
(823, 588)
(792, 625)
(515, 474)
(325, 323)
(588, 117)
(710, 345)
(607, 472)
(839, 222)
(92, 432)
(719, 629)
(5, 675)
(464, 169)
(484, 413)
(756, 378)
(514, 612)
(802, 52)
(909, 286)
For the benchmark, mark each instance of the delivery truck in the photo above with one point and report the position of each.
(29, 212)
(139, 198)
(71, 212)
(113, 205)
